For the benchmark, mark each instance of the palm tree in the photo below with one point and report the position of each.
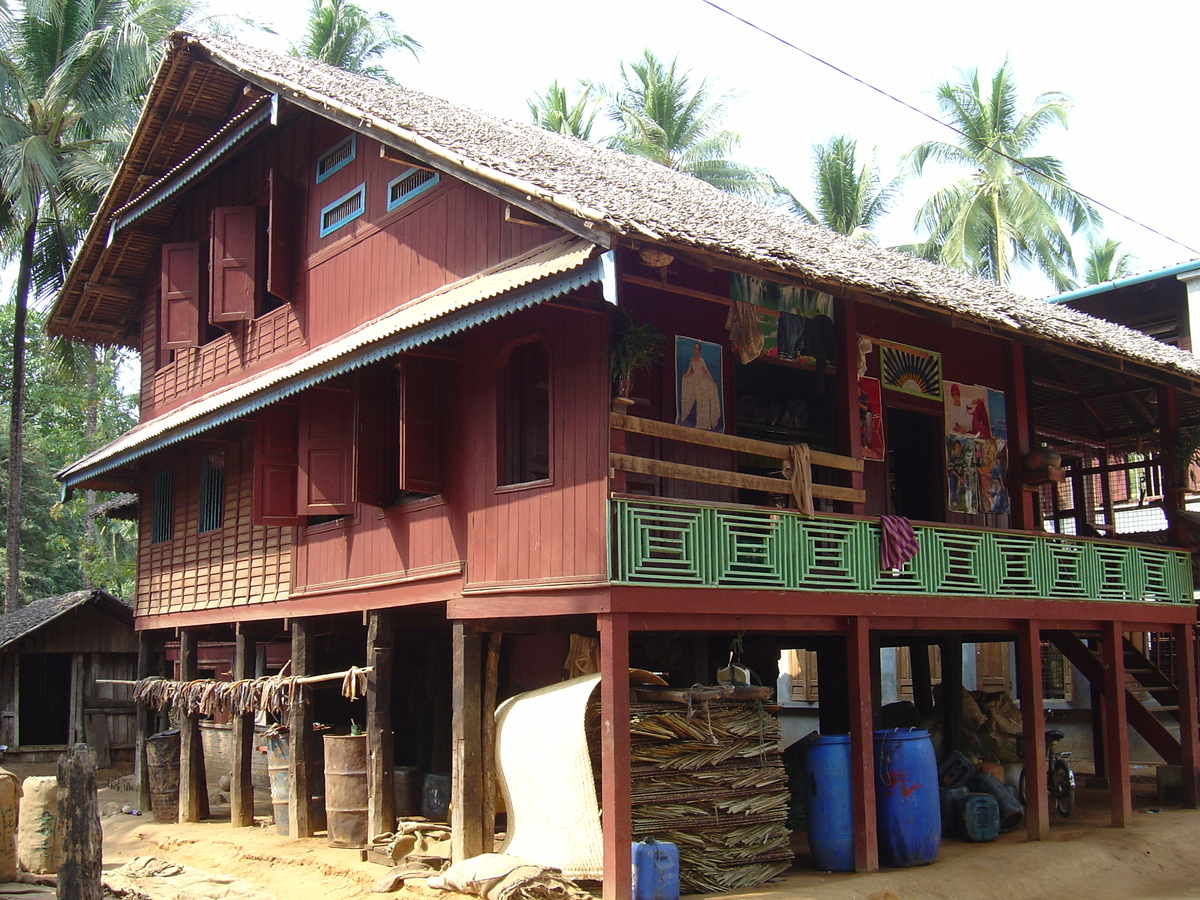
(72, 73)
(555, 111)
(851, 199)
(1106, 261)
(342, 34)
(1011, 208)
(663, 118)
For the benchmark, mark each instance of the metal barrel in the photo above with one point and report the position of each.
(162, 765)
(279, 773)
(408, 791)
(346, 789)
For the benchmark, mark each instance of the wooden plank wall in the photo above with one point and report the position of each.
(239, 564)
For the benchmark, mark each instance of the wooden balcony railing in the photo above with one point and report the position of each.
(677, 543)
(623, 462)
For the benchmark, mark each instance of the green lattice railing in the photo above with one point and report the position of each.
(664, 543)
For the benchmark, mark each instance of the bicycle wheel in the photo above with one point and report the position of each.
(1062, 788)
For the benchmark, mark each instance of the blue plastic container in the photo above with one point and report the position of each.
(980, 817)
(655, 870)
(827, 793)
(907, 806)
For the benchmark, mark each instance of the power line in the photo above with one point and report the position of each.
(946, 125)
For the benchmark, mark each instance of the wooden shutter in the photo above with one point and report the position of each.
(234, 275)
(180, 310)
(327, 463)
(281, 237)
(276, 465)
(420, 425)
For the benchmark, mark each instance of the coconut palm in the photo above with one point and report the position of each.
(1106, 261)
(342, 34)
(664, 118)
(851, 199)
(555, 111)
(72, 73)
(1011, 209)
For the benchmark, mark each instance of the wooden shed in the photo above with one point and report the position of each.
(53, 655)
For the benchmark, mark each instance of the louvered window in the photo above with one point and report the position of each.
(162, 514)
(336, 157)
(409, 184)
(343, 210)
(212, 492)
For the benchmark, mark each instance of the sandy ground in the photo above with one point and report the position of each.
(1158, 857)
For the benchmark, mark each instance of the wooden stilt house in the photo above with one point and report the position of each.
(378, 413)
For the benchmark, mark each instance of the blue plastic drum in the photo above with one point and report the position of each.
(830, 815)
(907, 806)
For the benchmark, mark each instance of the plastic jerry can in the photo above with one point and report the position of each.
(980, 818)
(655, 870)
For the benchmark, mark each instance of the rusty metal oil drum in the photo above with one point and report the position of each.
(346, 789)
(162, 766)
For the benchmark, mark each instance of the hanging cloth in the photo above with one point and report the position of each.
(820, 341)
(865, 346)
(744, 332)
(798, 470)
(897, 542)
(790, 341)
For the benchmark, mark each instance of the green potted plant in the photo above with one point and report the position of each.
(631, 347)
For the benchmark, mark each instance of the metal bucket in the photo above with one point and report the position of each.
(280, 776)
(162, 766)
(346, 789)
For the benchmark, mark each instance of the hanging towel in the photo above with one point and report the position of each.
(798, 470)
(897, 541)
(865, 346)
(744, 332)
(790, 341)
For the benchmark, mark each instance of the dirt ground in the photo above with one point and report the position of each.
(1158, 857)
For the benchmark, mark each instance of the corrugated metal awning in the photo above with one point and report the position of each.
(549, 271)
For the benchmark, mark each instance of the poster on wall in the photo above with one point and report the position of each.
(991, 466)
(698, 384)
(966, 408)
(961, 474)
(997, 414)
(976, 448)
(870, 416)
(911, 370)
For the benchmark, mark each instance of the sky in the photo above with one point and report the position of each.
(1130, 72)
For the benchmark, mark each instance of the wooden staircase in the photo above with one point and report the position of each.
(1151, 698)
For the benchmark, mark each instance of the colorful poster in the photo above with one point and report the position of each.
(870, 415)
(911, 370)
(991, 467)
(960, 473)
(996, 412)
(698, 384)
(966, 407)
(976, 448)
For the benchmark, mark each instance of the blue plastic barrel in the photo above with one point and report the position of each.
(830, 815)
(655, 870)
(907, 806)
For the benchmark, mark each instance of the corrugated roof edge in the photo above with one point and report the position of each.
(1106, 286)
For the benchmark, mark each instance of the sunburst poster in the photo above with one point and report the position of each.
(911, 370)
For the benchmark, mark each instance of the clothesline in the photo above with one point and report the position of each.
(273, 693)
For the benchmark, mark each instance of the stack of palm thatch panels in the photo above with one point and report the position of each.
(708, 776)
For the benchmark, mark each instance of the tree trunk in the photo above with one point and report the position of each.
(16, 455)
(79, 819)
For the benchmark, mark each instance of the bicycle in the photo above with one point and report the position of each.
(1060, 777)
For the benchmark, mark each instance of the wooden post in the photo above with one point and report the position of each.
(381, 740)
(147, 665)
(951, 651)
(1029, 680)
(850, 438)
(193, 787)
(491, 684)
(922, 677)
(79, 825)
(1116, 733)
(300, 724)
(1096, 689)
(1185, 678)
(241, 786)
(466, 789)
(616, 787)
(862, 746)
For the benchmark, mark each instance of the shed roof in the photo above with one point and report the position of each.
(35, 615)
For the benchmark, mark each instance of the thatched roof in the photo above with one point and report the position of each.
(603, 194)
(33, 616)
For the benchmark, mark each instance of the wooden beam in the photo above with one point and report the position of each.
(147, 665)
(491, 683)
(922, 678)
(466, 790)
(300, 723)
(951, 649)
(1029, 680)
(1116, 733)
(616, 781)
(241, 785)
(381, 738)
(1189, 721)
(723, 478)
(862, 745)
(193, 787)
(79, 870)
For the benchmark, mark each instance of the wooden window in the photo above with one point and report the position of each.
(276, 465)
(342, 210)
(162, 512)
(233, 264)
(337, 157)
(180, 307)
(327, 463)
(422, 446)
(410, 184)
(524, 415)
(212, 493)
